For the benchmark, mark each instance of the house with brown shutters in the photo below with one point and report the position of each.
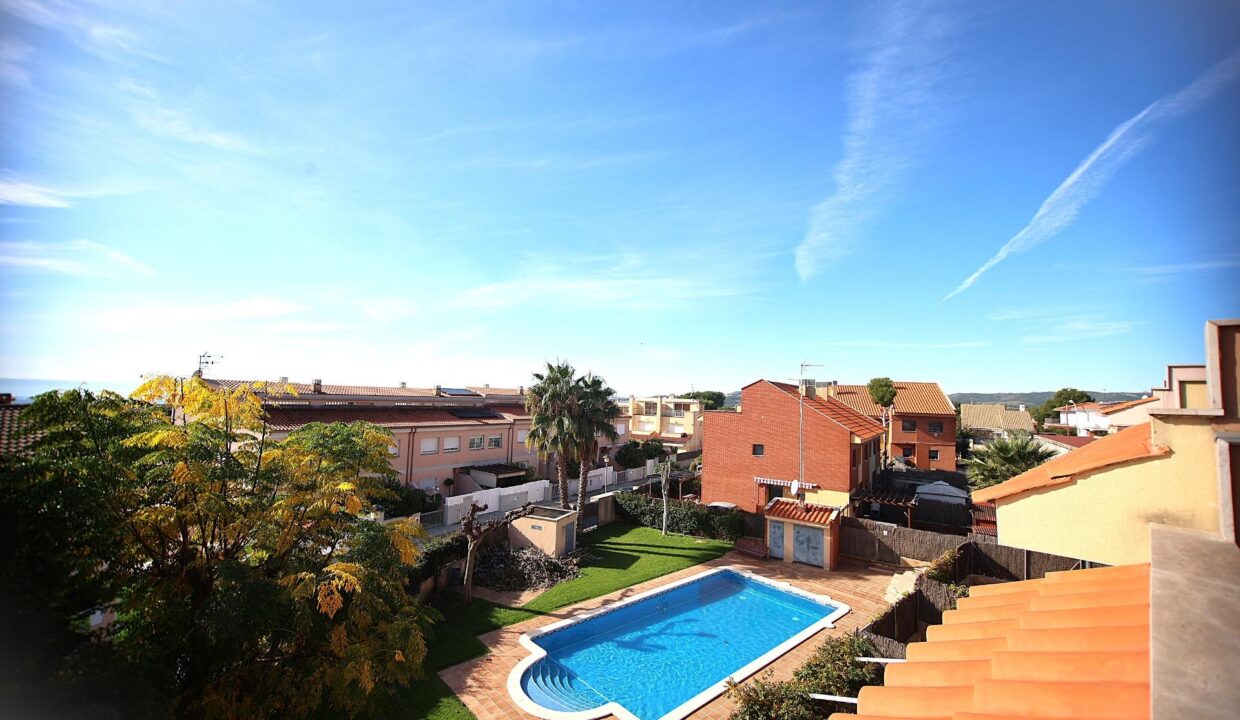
(923, 421)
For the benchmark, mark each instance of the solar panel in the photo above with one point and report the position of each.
(458, 392)
(474, 413)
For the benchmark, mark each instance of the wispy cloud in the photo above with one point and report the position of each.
(894, 102)
(1163, 272)
(78, 257)
(1061, 208)
(1042, 326)
(156, 116)
(259, 308)
(386, 309)
(17, 191)
(899, 345)
(84, 30)
(13, 56)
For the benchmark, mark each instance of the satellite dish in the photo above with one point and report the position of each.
(796, 487)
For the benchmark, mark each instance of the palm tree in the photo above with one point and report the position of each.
(1005, 458)
(594, 414)
(551, 402)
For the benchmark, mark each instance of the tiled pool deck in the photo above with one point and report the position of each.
(481, 683)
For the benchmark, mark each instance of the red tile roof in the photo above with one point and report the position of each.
(1073, 644)
(516, 411)
(276, 389)
(831, 408)
(13, 438)
(1075, 441)
(787, 509)
(912, 398)
(1106, 408)
(284, 418)
(1129, 445)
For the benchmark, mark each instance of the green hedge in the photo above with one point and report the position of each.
(683, 518)
(436, 555)
(831, 670)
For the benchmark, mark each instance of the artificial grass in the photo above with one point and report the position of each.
(627, 555)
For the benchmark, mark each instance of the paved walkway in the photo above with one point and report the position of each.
(481, 683)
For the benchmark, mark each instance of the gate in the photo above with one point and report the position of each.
(775, 539)
(755, 525)
(807, 545)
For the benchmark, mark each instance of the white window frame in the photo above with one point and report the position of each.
(621, 428)
(481, 442)
(455, 440)
(434, 448)
(495, 442)
(521, 436)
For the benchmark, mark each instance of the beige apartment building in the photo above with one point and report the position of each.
(674, 420)
(474, 436)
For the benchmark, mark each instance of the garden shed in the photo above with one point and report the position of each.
(550, 529)
(803, 532)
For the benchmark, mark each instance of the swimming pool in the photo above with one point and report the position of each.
(666, 652)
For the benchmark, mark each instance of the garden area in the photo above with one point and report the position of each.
(620, 556)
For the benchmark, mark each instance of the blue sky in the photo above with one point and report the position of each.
(670, 194)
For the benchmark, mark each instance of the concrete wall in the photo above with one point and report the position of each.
(1105, 517)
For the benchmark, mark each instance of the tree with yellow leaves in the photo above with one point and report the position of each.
(245, 578)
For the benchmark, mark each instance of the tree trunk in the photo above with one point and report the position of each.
(666, 481)
(471, 550)
(561, 476)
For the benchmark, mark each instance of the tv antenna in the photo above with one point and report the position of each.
(205, 360)
(801, 424)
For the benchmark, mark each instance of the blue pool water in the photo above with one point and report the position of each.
(653, 655)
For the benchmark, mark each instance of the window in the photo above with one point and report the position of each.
(430, 446)
(936, 426)
(908, 425)
(759, 450)
(676, 429)
(934, 454)
(495, 441)
(650, 408)
(452, 444)
(475, 442)
(522, 435)
(621, 428)
(906, 452)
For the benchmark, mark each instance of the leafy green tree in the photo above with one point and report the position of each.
(1004, 458)
(653, 449)
(551, 402)
(883, 393)
(593, 417)
(1062, 397)
(244, 578)
(710, 399)
(630, 455)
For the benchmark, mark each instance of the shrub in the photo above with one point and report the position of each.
(682, 517)
(408, 500)
(833, 668)
(765, 699)
(943, 568)
(436, 555)
(501, 567)
(630, 455)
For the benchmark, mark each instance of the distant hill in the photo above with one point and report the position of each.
(1031, 399)
(732, 399)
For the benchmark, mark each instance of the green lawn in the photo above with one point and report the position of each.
(627, 555)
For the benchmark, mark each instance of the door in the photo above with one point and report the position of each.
(807, 545)
(570, 539)
(775, 539)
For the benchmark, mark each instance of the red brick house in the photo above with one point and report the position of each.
(923, 421)
(752, 456)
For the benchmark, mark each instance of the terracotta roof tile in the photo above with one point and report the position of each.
(285, 418)
(1075, 441)
(308, 388)
(1128, 445)
(786, 509)
(1090, 660)
(914, 398)
(854, 421)
(995, 416)
(516, 411)
(13, 438)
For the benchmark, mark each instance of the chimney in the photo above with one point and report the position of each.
(1021, 407)
(486, 385)
(318, 385)
(809, 388)
(437, 388)
(831, 386)
(284, 379)
(521, 390)
(402, 383)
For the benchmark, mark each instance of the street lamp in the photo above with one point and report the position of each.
(606, 471)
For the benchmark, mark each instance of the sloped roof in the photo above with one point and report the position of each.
(1074, 644)
(1106, 408)
(913, 398)
(1075, 441)
(516, 411)
(283, 418)
(788, 509)
(276, 389)
(485, 391)
(995, 416)
(13, 437)
(1128, 445)
(855, 422)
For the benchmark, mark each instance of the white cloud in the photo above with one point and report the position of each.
(386, 309)
(171, 312)
(900, 345)
(13, 55)
(1163, 272)
(77, 257)
(894, 102)
(18, 192)
(1042, 326)
(1061, 208)
(178, 125)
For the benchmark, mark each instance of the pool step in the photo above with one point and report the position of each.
(556, 687)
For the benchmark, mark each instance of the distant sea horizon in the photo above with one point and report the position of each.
(24, 390)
